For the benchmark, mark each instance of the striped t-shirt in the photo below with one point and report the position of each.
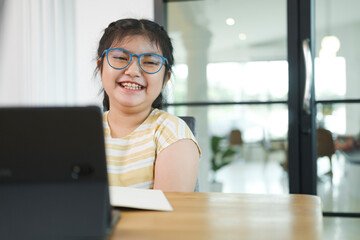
(130, 159)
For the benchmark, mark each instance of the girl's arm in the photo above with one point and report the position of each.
(176, 167)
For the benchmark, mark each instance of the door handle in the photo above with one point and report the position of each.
(308, 75)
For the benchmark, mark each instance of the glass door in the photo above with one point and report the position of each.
(337, 89)
(231, 74)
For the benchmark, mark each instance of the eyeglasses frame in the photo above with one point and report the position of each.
(164, 60)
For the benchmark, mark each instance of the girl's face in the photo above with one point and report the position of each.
(131, 88)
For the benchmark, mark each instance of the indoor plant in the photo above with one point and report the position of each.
(222, 155)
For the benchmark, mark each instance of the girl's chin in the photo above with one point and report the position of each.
(129, 103)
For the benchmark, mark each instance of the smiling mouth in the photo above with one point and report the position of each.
(131, 86)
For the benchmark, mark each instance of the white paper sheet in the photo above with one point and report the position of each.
(139, 198)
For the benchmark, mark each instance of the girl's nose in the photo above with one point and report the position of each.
(133, 69)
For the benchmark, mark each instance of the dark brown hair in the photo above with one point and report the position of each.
(117, 31)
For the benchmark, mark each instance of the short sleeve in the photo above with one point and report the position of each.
(170, 130)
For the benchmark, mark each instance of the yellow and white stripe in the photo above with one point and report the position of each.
(130, 160)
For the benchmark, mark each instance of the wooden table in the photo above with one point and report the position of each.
(226, 216)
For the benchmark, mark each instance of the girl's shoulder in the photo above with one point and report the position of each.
(160, 117)
(167, 123)
(170, 129)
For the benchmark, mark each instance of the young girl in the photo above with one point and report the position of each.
(145, 147)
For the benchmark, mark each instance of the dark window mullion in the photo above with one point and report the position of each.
(333, 101)
(301, 135)
(196, 104)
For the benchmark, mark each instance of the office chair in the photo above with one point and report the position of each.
(190, 121)
(325, 145)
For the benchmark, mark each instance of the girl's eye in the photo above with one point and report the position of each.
(151, 63)
(120, 58)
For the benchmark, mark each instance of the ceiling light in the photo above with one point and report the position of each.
(230, 21)
(330, 45)
(242, 36)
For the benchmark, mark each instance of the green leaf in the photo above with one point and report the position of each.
(215, 144)
(228, 153)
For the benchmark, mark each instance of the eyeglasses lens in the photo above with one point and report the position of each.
(118, 58)
(150, 63)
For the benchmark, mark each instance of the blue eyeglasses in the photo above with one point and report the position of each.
(119, 58)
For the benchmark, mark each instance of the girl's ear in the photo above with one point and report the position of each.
(167, 78)
(98, 62)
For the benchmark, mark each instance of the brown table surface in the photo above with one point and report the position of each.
(225, 216)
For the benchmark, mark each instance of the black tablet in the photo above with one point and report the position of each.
(53, 177)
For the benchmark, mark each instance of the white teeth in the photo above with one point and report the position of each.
(131, 86)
